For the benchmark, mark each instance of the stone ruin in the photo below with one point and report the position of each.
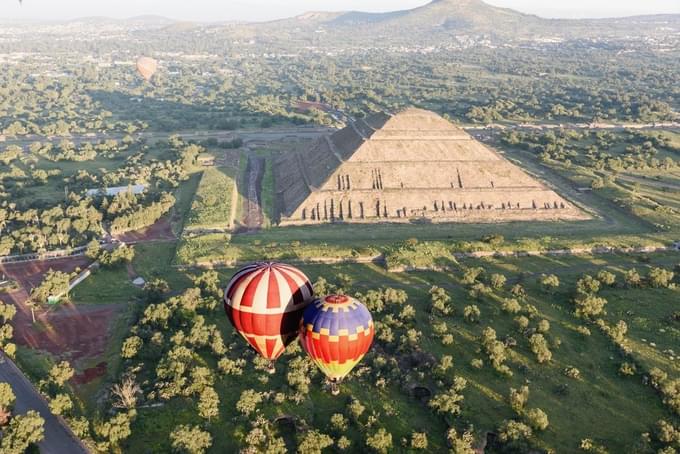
(411, 166)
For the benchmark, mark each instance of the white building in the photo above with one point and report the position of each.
(110, 192)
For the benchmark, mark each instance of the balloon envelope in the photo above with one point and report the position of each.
(147, 67)
(336, 331)
(265, 302)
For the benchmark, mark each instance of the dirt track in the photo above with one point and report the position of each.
(252, 206)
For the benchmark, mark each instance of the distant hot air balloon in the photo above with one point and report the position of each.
(265, 302)
(147, 67)
(336, 331)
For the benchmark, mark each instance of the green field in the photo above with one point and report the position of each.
(603, 405)
(212, 208)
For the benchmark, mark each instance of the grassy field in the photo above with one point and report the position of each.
(619, 408)
(213, 202)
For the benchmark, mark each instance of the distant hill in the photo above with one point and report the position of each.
(442, 20)
(438, 23)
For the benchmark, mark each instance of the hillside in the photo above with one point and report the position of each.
(443, 20)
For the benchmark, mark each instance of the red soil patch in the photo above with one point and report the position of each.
(306, 106)
(160, 231)
(70, 332)
(30, 274)
(90, 374)
(67, 331)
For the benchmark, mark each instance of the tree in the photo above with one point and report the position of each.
(61, 404)
(93, 249)
(519, 398)
(55, 283)
(587, 285)
(231, 367)
(126, 393)
(440, 301)
(22, 431)
(209, 283)
(448, 403)
(461, 444)
(131, 347)
(514, 431)
(248, 401)
(208, 404)
(190, 439)
(470, 275)
(356, 409)
(549, 282)
(537, 419)
(497, 281)
(606, 278)
(117, 429)
(588, 306)
(511, 306)
(472, 313)
(314, 442)
(419, 440)
(632, 278)
(540, 348)
(380, 441)
(7, 399)
(660, 278)
(339, 422)
(155, 289)
(61, 373)
(667, 433)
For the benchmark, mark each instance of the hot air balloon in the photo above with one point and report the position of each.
(265, 302)
(147, 67)
(336, 332)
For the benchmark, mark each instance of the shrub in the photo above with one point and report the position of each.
(606, 278)
(511, 306)
(497, 281)
(572, 372)
(514, 431)
(537, 419)
(540, 348)
(471, 314)
(627, 369)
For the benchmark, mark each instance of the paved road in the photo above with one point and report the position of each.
(58, 437)
(247, 135)
(312, 132)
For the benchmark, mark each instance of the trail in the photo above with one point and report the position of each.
(252, 206)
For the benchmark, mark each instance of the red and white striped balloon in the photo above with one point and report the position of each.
(265, 302)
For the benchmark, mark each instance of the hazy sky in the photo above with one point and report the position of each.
(215, 10)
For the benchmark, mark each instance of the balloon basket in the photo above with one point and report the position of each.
(271, 369)
(334, 388)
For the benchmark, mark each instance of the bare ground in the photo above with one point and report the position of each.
(252, 206)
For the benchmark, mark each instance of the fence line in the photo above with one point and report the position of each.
(51, 255)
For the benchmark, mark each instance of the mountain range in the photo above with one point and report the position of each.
(436, 23)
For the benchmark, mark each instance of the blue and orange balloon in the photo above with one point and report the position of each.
(265, 302)
(336, 332)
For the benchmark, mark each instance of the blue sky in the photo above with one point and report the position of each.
(210, 10)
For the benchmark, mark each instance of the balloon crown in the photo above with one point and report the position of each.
(336, 299)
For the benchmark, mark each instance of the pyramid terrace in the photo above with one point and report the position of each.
(411, 166)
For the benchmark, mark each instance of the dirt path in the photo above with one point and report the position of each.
(252, 206)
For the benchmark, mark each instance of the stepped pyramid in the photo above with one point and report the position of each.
(414, 165)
